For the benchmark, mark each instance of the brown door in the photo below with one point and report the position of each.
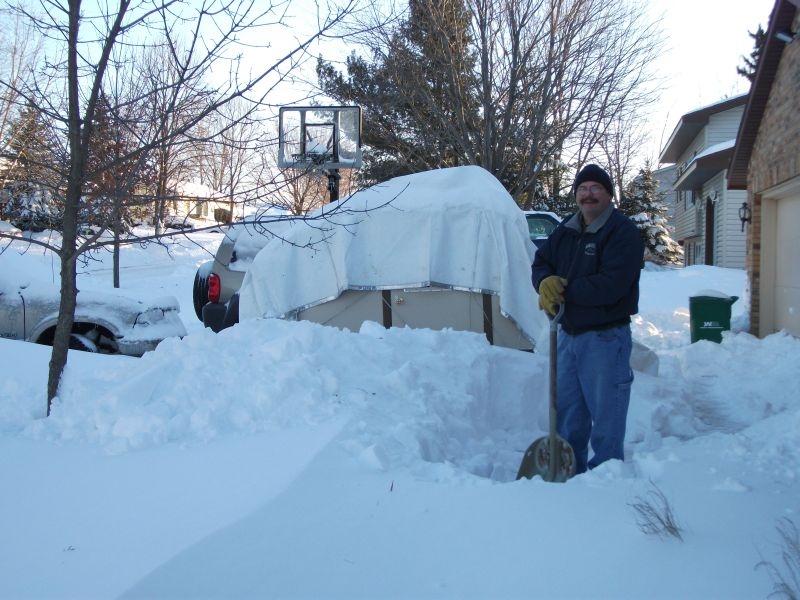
(709, 241)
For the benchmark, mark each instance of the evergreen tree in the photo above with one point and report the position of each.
(642, 202)
(748, 70)
(514, 87)
(420, 78)
(554, 190)
(31, 189)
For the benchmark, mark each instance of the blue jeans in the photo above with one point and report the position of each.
(594, 389)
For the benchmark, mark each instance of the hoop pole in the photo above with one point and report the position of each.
(333, 184)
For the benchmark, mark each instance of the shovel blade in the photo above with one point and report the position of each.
(537, 461)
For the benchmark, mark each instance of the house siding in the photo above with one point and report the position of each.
(723, 126)
(695, 241)
(685, 223)
(732, 250)
(775, 159)
(692, 206)
(690, 223)
(665, 178)
(693, 149)
(729, 239)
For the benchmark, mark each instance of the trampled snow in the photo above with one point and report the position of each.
(291, 460)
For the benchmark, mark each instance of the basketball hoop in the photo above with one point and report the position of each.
(320, 138)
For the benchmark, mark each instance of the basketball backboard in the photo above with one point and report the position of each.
(319, 137)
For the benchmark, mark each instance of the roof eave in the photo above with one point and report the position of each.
(702, 169)
(692, 123)
(780, 20)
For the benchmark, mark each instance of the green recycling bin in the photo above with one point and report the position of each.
(710, 315)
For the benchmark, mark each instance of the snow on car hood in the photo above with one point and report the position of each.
(134, 318)
(455, 227)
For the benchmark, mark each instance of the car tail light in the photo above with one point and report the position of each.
(213, 288)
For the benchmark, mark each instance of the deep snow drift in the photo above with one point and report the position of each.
(289, 460)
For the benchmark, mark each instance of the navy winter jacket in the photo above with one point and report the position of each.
(601, 263)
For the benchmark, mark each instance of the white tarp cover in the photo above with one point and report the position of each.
(455, 227)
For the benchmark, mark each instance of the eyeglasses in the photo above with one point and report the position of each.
(585, 189)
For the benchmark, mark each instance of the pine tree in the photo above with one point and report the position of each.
(642, 202)
(412, 93)
(31, 190)
(748, 70)
(554, 190)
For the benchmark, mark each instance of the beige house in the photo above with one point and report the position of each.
(766, 166)
(705, 217)
(665, 176)
(200, 202)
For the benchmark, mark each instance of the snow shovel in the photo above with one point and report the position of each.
(557, 466)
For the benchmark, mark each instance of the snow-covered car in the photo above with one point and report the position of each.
(225, 272)
(179, 222)
(106, 322)
(447, 248)
(217, 280)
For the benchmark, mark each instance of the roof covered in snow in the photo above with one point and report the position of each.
(195, 189)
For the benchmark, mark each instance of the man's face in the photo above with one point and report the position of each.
(592, 199)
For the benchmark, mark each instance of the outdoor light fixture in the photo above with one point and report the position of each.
(745, 214)
(786, 37)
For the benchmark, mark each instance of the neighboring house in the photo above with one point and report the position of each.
(7, 159)
(706, 219)
(766, 163)
(665, 177)
(199, 201)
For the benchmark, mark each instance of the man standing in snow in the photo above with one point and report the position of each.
(591, 265)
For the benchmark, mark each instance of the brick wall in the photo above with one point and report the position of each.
(775, 159)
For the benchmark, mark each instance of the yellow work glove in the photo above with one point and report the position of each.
(551, 292)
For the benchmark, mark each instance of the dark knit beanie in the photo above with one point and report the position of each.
(593, 173)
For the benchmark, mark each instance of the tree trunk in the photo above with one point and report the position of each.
(69, 294)
(117, 229)
(69, 235)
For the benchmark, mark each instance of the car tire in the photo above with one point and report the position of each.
(231, 312)
(200, 293)
(78, 341)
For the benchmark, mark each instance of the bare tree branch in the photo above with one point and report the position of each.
(95, 53)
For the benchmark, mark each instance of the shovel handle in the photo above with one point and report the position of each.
(557, 317)
(552, 391)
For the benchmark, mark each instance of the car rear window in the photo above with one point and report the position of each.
(540, 226)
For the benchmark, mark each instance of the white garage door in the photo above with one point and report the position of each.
(787, 265)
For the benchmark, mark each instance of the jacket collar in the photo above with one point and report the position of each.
(576, 222)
